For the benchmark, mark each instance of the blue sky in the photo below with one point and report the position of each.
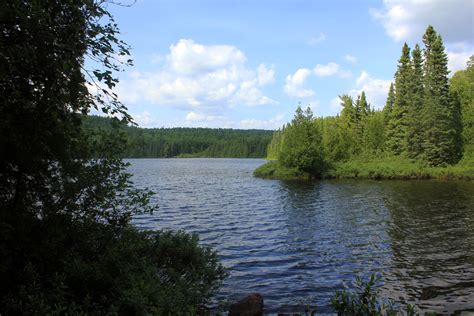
(247, 64)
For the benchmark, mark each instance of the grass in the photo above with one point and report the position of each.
(377, 167)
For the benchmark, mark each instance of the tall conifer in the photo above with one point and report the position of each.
(415, 110)
(441, 118)
(387, 110)
(397, 129)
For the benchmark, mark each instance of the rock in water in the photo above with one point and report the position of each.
(251, 305)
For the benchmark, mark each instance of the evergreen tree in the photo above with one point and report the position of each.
(348, 123)
(348, 113)
(387, 110)
(302, 148)
(442, 124)
(365, 106)
(397, 129)
(415, 109)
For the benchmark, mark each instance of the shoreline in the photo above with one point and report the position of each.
(381, 170)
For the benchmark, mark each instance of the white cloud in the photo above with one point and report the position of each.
(458, 55)
(315, 40)
(376, 90)
(144, 120)
(294, 84)
(265, 75)
(314, 105)
(335, 105)
(188, 57)
(406, 20)
(350, 58)
(273, 123)
(331, 69)
(157, 58)
(199, 117)
(195, 76)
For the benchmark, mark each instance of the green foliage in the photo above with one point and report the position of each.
(442, 123)
(387, 110)
(338, 140)
(302, 146)
(365, 301)
(397, 128)
(362, 302)
(387, 166)
(274, 147)
(94, 268)
(415, 133)
(274, 170)
(66, 242)
(462, 84)
(420, 133)
(187, 142)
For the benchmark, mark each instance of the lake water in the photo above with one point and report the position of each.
(297, 243)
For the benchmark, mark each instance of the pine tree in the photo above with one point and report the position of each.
(415, 110)
(387, 110)
(365, 106)
(441, 119)
(397, 129)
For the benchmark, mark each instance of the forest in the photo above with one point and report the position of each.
(425, 129)
(187, 142)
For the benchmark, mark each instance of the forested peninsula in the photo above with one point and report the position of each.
(185, 142)
(425, 130)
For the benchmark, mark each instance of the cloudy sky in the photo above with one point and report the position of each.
(248, 63)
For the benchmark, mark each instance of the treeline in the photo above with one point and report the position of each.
(427, 119)
(187, 142)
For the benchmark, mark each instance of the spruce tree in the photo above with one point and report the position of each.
(397, 129)
(387, 110)
(441, 119)
(415, 110)
(365, 106)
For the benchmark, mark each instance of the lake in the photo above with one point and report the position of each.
(297, 243)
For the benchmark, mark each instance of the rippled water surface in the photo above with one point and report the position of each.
(296, 243)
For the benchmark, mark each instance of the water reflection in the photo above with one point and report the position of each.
(432, 241)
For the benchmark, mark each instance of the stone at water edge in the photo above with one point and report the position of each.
(251, 305)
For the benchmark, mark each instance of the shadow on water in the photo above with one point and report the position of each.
(432, 241)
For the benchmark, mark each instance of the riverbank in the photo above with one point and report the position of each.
(374, 168)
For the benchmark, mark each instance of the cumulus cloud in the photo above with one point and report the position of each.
(330, 69)
(195, 76)
(144, 119)
(350, 58)
(315, 40)
(265, 75)
(406, 20)
(199, 117)
(458, 55)
(273, 123)
(335, 105)
(294, 84)
(375, 89)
